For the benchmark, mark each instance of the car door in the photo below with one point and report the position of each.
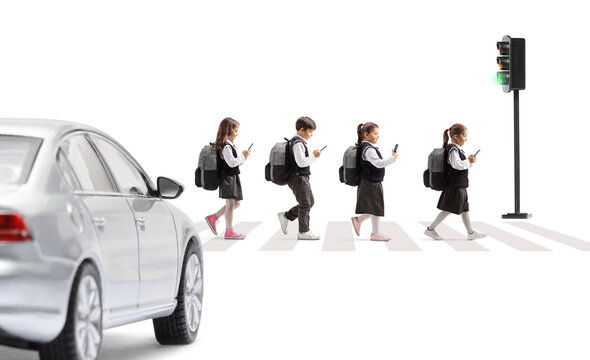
(158, 264)
(112, 219)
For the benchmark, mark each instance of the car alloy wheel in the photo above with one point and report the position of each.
(88, 316)
(193, 293)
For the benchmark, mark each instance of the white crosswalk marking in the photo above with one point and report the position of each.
(408, 236)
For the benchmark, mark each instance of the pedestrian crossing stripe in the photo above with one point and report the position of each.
(339, 237)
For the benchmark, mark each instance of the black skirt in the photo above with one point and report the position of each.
(369, 198)
(454, 200)
(230, 187)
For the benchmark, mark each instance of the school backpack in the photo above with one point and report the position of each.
(207, 173)
(350, 171)
(278, 168)
(436, 175)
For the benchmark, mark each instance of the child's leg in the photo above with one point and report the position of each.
(304, 197)
(229, 212)
(306, 202)
(363, 217)
(237, 204)
(375, 222)
(467, 221)
(221, 212)
(443, 215)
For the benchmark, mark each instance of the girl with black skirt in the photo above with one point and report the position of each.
(230, 187)
(369, 195)
(454, 196)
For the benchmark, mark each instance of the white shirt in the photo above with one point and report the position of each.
(228, 155)
(455, 160)
(370, 155)
(299, 154)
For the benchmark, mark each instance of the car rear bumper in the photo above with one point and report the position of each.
(33, 299)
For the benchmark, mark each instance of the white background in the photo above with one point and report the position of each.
(159, 76)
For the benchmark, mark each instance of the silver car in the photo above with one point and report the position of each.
(87, 243)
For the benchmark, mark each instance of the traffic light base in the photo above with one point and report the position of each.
(517, 216)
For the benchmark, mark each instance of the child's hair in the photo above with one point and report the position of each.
(225, 128)
(456, 129)
(362, 129)
(305, 123)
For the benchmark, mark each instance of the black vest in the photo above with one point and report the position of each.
(457, 178)
(295, 169)
(226, 170)
(370, 172)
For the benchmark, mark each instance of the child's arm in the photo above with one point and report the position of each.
(300, 159)
(229, 158)
(456, 162)
(371, 156)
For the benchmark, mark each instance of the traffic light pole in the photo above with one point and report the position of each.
(516, 214)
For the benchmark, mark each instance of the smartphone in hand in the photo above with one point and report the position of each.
(324, 148)
(395, 148)
(250, 146)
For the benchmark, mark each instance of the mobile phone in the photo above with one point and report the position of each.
(250, 146)
(324, 148)
(395, 148)
(476, 152)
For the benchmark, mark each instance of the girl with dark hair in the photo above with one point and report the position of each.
(369, 196)
(454, 197)
(230, 187)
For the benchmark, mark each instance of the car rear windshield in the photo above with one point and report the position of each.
(17, 156)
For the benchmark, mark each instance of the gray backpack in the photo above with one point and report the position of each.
(278, 168)
(436, 176)
(207, 173)
(350, 171)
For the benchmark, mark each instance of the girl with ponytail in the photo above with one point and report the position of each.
(369, 196)
(230, 187)
(454, 196)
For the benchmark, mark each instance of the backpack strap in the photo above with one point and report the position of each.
(369, 145)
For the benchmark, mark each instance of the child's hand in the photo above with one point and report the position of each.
(317, 153)
(394, 154)
(472, 159)
(246, 153)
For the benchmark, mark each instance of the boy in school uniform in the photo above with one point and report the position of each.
(299, 179)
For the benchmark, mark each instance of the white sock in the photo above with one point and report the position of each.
(375, 222)
(467, 222)
(443, 215)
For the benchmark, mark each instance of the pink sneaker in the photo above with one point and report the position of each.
(211, 221)
(379, 237)
(231, 235)
(356, 225)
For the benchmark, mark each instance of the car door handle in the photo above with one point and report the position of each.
(100, 222)
(141, 222)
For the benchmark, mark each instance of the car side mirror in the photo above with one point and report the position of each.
(168, 188)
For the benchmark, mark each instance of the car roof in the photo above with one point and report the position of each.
(40, 128)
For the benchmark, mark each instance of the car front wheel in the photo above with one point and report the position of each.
(182, 325)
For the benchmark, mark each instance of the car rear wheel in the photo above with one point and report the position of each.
(182, 325)
(81, 336)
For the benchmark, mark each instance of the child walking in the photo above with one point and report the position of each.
(369, 194)
(230, 187)
(299, 180)
(454, 196)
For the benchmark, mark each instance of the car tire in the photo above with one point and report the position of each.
(81, 337)
(181, 327)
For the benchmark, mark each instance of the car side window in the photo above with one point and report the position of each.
(86, 165)
(129, 179)
(66, 170)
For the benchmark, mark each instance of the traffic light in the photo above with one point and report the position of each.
(512, 63)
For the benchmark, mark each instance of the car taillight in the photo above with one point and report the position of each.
(13, 228)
